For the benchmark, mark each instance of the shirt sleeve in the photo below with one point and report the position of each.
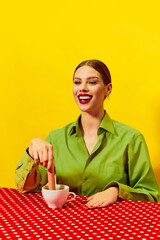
(142, 182)
(30, 177)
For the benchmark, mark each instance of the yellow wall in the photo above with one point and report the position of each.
(42, 42)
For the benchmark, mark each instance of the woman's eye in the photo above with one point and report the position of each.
(77, 82)
(92, 82)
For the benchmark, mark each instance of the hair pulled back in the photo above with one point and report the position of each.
(99, 67)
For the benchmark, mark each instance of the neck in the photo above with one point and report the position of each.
(91, 122)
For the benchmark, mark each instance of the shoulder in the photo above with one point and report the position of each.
(61, 132)
(124, 130)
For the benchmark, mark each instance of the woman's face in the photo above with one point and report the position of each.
(89, 89)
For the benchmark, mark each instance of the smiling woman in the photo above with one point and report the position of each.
(95, 155)
(91, 87)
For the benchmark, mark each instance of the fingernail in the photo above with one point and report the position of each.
(49, 170)
(85, 206)
(90, 206)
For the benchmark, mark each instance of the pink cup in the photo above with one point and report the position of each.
(56, 198)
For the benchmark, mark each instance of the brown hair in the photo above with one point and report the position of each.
(99, 67)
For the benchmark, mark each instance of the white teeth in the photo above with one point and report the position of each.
(84, 97)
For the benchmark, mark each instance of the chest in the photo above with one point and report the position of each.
(88, 173)
(90, 142)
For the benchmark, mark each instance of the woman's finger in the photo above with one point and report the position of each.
(50, 159)
(90, 198)
(40, 153)
(104, 204)
(51, 178)
(36, 157)
(94, 203)
(45, 156)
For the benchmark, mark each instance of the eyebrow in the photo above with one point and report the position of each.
(92, 77)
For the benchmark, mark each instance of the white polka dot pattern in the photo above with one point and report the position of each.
(27, 216)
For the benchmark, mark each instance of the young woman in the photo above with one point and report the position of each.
(95, 156)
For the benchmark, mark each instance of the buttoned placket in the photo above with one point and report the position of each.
(88, 159)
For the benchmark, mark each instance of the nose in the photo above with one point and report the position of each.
(84, 87)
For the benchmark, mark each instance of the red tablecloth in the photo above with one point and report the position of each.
(27, 216)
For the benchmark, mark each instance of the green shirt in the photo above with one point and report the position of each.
(119, 158)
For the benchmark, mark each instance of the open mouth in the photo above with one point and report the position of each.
(84, 98)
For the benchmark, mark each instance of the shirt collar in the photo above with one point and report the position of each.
(74, 128)
(106, 124)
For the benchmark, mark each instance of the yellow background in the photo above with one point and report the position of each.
(41, 43)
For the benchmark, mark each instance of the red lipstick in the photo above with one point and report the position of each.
(84, 98)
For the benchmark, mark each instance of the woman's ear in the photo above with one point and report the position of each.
(108, 89)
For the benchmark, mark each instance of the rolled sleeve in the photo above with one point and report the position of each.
(29, 177)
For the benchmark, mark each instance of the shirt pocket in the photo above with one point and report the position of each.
(110, 174)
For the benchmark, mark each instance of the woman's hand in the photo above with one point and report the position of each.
(103, 199)
(42, 152)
